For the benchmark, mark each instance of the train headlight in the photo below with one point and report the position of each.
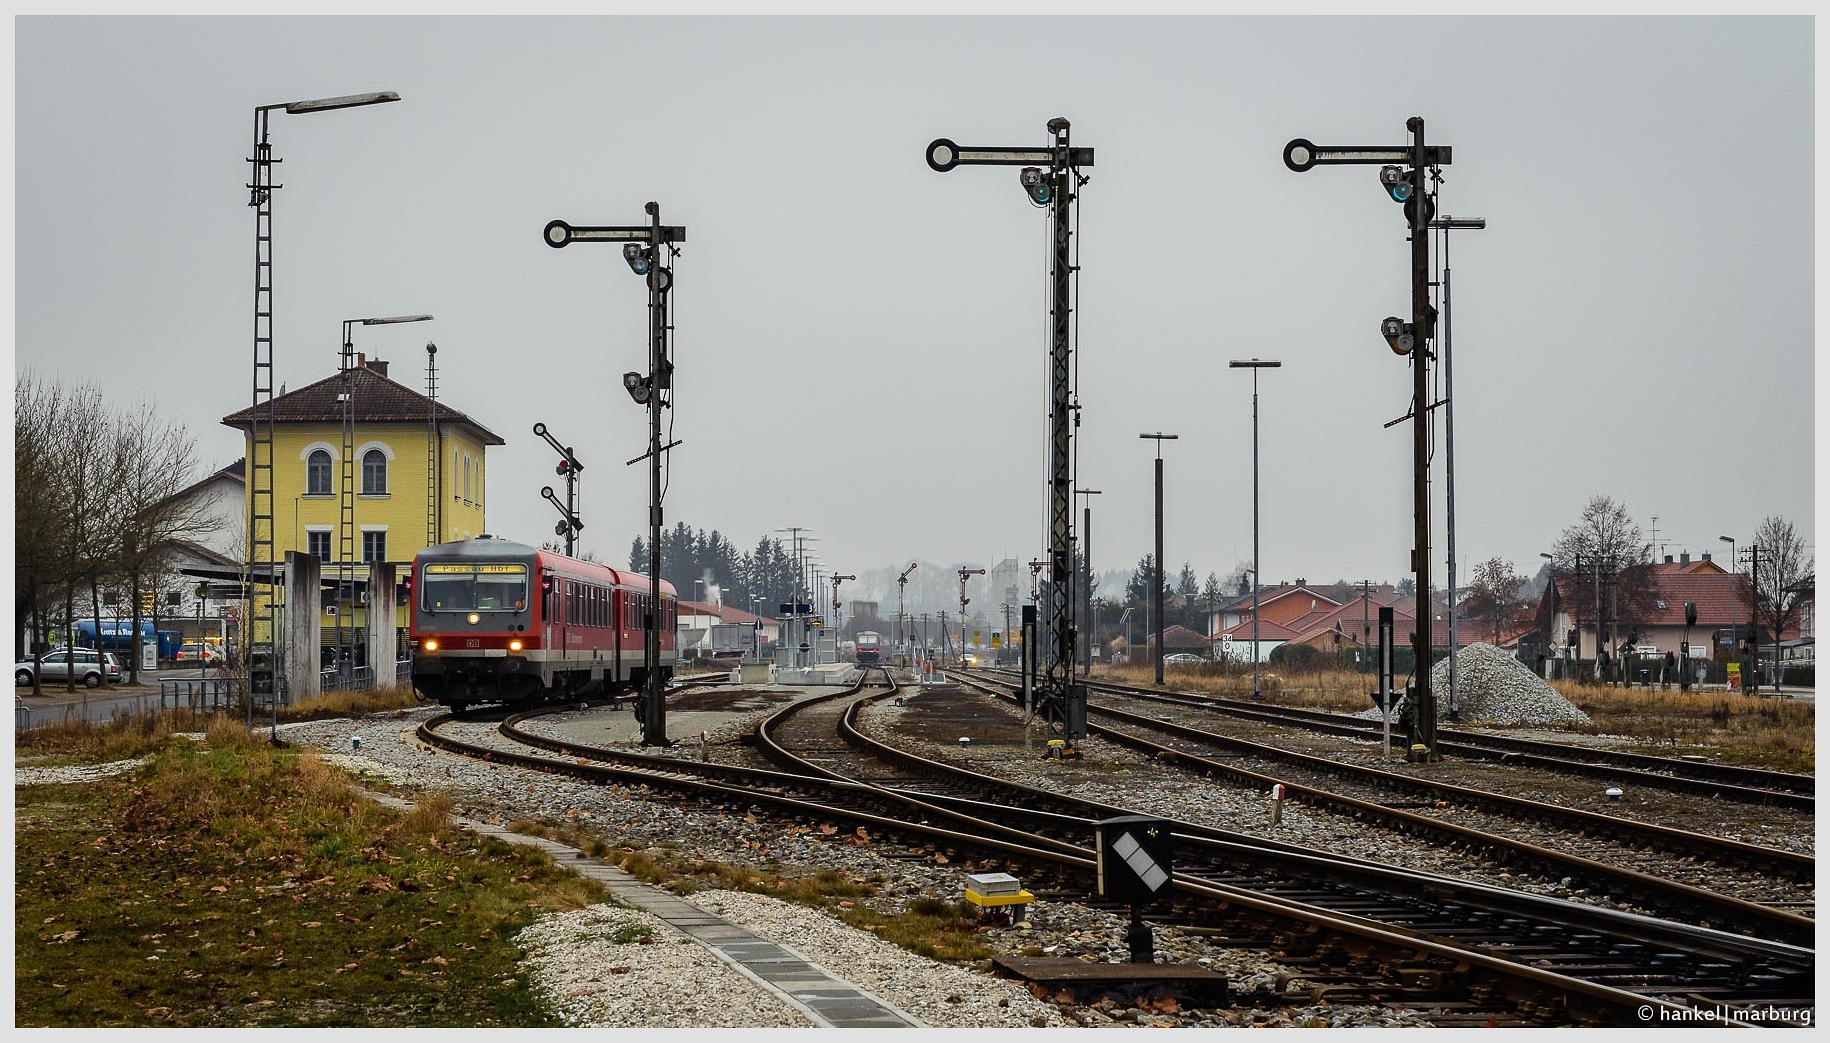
(431, 645)
(474, 618)
(514, 645)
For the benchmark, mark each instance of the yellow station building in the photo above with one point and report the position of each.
(397, 446)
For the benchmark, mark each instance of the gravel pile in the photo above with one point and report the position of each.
(1496, 689)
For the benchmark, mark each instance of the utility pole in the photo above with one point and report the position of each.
(1050, 179)
(568, 525)
(648, 250)
(1156, 594)
(1445, 224)
(1411, 189)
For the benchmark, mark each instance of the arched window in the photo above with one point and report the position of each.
(317, 474)
(374, 472)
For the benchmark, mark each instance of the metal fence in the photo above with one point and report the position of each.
(201, 694)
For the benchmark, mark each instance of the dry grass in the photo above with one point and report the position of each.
(1758, 731)
(351, 704)
(128, 737)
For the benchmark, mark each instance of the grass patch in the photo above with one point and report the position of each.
(351, 704)
(232, 884)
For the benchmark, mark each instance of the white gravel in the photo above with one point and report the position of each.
(1494, 688)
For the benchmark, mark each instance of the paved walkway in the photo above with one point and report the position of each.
(828, 1001)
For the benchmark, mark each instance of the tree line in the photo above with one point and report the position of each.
(94, 508)
(700, 564)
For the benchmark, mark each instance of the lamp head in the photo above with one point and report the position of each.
(638, 257)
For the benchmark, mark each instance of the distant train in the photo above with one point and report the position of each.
(495, 621)
(870, 647)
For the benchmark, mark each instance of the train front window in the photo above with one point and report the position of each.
(452, 587)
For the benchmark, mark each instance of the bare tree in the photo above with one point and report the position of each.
(1494, 594)
(38, 556)
(1786, 577)
(153, 461)
(1607, 548)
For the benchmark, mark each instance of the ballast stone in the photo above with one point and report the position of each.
(1495, 688)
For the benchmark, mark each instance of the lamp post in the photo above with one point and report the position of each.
(346, 498)
(1255, 365)
(1086, 589)
(1156, 595)
(647, 250)
(261, 660)
(1734, 627)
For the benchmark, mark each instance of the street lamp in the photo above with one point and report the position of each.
(1734, 627)
(1156, 595)
(1255, 365)
(261, 644)
(346, 497)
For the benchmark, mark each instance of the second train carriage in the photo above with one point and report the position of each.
(494, 621)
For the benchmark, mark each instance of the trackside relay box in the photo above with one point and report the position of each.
(1135, 862)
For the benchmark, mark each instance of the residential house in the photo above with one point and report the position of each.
(696, 618)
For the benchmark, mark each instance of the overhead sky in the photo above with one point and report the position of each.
(861, 340)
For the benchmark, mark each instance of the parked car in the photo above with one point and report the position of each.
(92, 667)
(193, 651)
(1183, 658)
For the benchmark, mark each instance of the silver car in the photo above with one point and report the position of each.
(91, 667)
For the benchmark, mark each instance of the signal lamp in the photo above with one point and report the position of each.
(1397, 185)
(638, 257)
(1397, 333)
(1036, 186)
(637, 386)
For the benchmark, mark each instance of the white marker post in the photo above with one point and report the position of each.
(1277, 803)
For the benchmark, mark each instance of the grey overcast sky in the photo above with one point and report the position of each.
(861, 341)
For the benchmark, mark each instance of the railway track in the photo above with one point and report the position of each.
(1308, 775)
(1721, 781)
(1466, 953)
(1670, 898)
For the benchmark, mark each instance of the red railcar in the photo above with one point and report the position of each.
(495, 621)
(870, 647)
